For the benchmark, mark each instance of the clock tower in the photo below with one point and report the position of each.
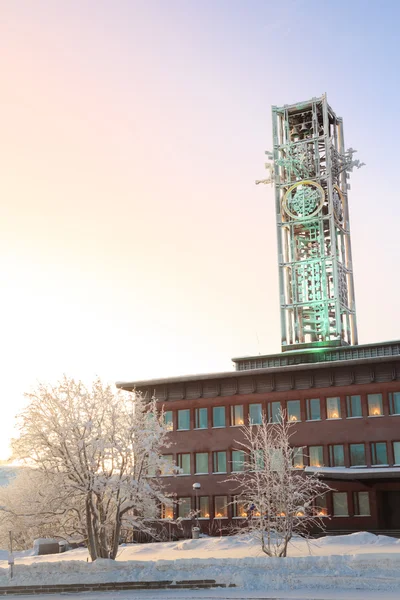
(310, 171)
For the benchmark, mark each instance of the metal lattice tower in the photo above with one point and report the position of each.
(310, 170)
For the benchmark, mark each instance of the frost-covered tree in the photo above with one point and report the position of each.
(101, 445)
(277, 499)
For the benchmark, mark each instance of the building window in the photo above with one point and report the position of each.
(168, 466)
(239, 508)
(336, 455)
(321, 506)
(333, 408)
(237, 415)
(184, 464)
(353, 404)
(221, 507)
(237, 461)
(219, 462)
(396, 452)
(184, 507)
(274, 411)
(204, 507)
(375, 405)
(298, 460)
(201, 463)
(313, 409)
(201, 418)
(357, 455)
(167, 512)
(293, 410)
(340, 507)
(255, 414)
(379, 453)
(219, 416)
(258, 460)
(184, 419)
(168, 420)
(316, 456)
(361, 504)
(394, 403)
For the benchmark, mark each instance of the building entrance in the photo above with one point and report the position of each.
(390, 510)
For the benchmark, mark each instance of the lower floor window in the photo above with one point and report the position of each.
(220, 507)
(204, 507)
(321, 506)
(361, 504)
(184, 507)
(340, 507)
(167, 512)
(239, 507)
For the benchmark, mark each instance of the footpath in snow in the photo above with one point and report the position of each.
(357, 562)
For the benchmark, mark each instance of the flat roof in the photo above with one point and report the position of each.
(129, 385)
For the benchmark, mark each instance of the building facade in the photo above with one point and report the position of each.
(345, 407)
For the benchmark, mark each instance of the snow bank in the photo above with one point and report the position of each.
(360, 561)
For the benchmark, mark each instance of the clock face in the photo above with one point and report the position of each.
(303, 200)
(338, 204)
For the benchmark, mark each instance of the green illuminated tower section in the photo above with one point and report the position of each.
(310, 173)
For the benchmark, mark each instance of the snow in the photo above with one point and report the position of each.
(336, 564)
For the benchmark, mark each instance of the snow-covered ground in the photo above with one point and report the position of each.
(338, 565)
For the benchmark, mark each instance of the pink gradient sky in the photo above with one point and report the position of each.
(134, 243)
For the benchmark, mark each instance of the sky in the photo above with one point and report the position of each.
(134, 243)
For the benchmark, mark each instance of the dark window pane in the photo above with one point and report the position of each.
(396, 452)
(255, 414)
(313, 409)
(201, 418)
(379, 453)
(219, 462)
(219, 416)
(354, 406)
(357, 455)
(274, 409)
(184, 419)
(361, 504)
(336, 455)
(394, 401)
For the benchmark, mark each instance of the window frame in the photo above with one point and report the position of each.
(374, 455)
(381, 405)
(289, 418)
(213, 417)
(391, 404)
(331, 452)
(349, 407)
(197, 418)
(338, 408)
(171, 421)
(395, 463)
(335, 495)
(183, 410)
(251, 422)
(163, 510)
(225, 507)
(179, 462)
(200, 508)
(356, 504)
(216, 462)
(195, 464)
(243, 461)
(187, 518)
(236, 503)
(271, 411)
(309, 455)
(309, 409)
(365, 455)
(235, 417)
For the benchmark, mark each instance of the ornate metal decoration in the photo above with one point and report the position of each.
(310, 170)
(303, 200)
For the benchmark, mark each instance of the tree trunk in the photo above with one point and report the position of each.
(89, 527)
(115, 541)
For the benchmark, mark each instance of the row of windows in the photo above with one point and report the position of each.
(333, 407)
(187, 506)
(336, 455)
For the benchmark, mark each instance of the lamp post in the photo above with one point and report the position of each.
(197, 486)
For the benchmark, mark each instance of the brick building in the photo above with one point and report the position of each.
(344, 402)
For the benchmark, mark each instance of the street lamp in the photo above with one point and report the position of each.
(197, 486)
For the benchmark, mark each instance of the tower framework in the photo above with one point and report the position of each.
(310, 172)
